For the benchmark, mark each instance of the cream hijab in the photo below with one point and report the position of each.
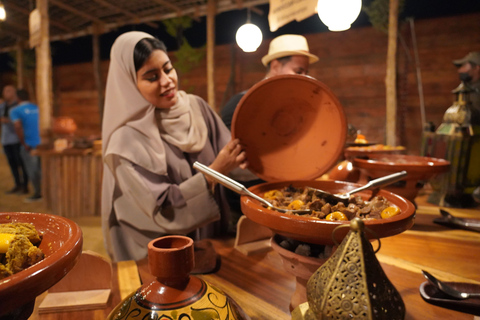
(132, 127)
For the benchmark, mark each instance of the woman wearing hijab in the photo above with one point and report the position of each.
(152, 134)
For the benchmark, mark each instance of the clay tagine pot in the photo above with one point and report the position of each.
(174, 293)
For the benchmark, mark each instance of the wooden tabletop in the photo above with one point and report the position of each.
(260, 285)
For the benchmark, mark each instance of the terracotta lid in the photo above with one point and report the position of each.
(292, 127)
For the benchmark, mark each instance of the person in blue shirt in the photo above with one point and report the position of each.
(11, 142)
(26, 122)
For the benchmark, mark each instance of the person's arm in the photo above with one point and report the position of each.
(19, 131)
(151, 203)
(3, 119)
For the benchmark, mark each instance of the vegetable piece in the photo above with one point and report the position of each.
(390, 212)
(296, 205)
(336, 216)
(5, 240)
(272, 195)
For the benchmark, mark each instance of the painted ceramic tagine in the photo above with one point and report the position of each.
(174, 293)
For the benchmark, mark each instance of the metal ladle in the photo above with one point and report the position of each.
(376, 183)
(445, 288)
(239, 188)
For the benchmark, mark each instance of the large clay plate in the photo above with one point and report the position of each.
(318, 231)
(291, 126)
(61, 244)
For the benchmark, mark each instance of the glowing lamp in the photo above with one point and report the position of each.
(338, 15)
(3, 13)
(249, 37)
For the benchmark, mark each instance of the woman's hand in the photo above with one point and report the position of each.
(230, 157)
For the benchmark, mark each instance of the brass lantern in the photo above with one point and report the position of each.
(351, 284)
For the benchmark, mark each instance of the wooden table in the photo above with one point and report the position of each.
(263, 289)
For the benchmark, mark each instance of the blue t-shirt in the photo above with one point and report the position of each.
(27, 113)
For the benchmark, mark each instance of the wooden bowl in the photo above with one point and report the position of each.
(419, 169)
(291, 127)
(319, 231)
(61, 244)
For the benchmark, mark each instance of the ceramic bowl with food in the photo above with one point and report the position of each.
(419, 170)
(319, 231)
(61, 243)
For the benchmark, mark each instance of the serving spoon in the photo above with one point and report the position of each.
(376, 183)
(239, 188)
(445, 288)
(469, 224)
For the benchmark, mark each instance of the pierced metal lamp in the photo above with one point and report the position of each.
(351, 284)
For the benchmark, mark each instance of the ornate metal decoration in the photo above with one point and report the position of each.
(352, 284)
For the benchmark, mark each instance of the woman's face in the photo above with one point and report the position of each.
(157, 80)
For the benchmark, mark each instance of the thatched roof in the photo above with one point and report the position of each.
(74, 18)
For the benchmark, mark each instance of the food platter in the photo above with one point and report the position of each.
(291, 127)
(61, 244)
(319, 231)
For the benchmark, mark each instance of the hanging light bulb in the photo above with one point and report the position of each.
(338, 15)
(249, 36)
(3, 13)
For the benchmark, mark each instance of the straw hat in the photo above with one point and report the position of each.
(470, 57)
(288, 45)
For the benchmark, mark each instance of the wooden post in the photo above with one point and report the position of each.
(20, 64)
(97, 67)
(211, 11)
(391, 76)
(44, 73)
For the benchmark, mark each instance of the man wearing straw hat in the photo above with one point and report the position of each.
(287, 54)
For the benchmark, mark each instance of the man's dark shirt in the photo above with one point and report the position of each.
(229, 109)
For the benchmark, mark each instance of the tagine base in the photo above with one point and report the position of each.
(302, 267)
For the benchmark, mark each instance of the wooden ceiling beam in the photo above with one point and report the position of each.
(15, 25)
(25, 11)
(124, 12)
(257, 10)
(170, 5)
(195, 11)
(77, 12)
(13, 34)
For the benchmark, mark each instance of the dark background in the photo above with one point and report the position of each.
(80, 49)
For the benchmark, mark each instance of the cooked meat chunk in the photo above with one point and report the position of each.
(317, 204)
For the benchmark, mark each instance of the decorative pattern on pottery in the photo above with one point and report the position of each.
(211, 303)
